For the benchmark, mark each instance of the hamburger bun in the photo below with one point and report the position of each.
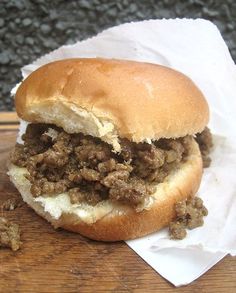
(112, 99)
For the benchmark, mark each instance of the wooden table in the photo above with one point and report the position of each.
(59, 261)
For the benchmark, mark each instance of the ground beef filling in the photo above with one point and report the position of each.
(89, 171)
(9, 234)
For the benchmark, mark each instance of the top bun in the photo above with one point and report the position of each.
(109, 98)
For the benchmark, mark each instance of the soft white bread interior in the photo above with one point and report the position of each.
(109, 98)
(110, 221)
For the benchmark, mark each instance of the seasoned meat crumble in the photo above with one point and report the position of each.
(189, 214)
(89, 171)
(9, 234)
(204, 140)
(11, 203)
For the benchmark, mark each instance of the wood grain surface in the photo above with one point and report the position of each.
(58, 261)
(8, 121)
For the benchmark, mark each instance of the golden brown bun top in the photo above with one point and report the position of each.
(109, 98)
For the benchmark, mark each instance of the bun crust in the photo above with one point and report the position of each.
(110, 98)
(125, 223)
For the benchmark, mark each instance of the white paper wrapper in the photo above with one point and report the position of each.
(196, 48)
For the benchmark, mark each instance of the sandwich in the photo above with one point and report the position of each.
(110, 147)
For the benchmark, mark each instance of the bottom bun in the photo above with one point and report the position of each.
(114, 222)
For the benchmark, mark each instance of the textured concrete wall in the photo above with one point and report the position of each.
(29, 29)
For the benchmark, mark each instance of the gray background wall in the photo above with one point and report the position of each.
(29, 29)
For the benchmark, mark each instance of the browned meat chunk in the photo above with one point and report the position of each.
(89, 174)
(11, 204)
(177, 230)
(78, 196)
(19, 156)
(9, 234)
(107, 166)
(132, 191)
(189, 214)
(112, 178)
(204, 139)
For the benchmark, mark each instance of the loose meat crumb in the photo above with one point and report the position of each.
(87, 168)
(204, 140)
(177, 230)
(107, 166)
(89, 174)
(9, 234)
(189, 215)
(77, 196)
(11, 203)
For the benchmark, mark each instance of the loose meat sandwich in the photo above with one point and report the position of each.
(110, 147)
